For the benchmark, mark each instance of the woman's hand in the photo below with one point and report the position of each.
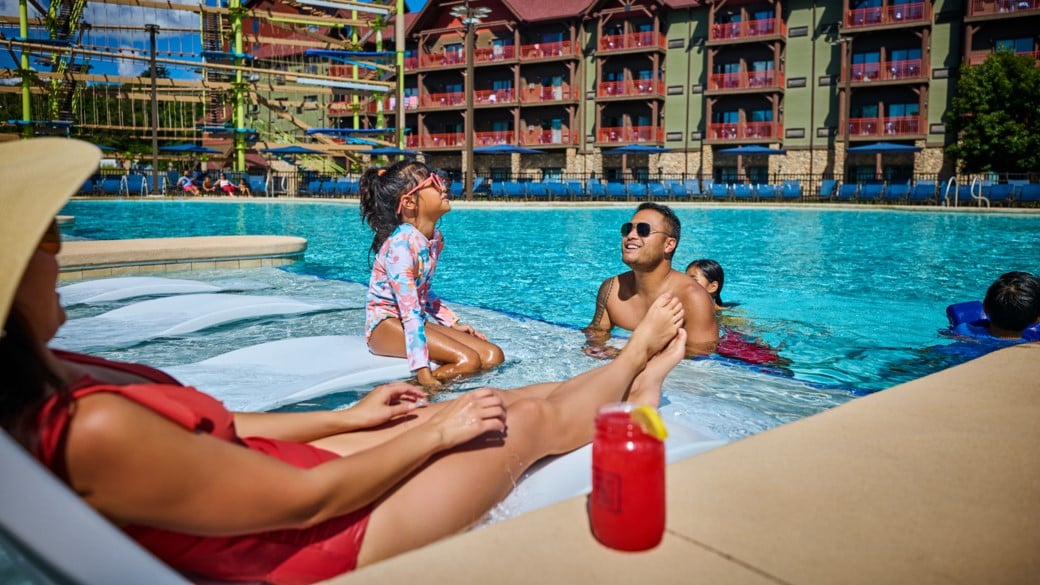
(385, 403)
(469, 416)
(460, 326)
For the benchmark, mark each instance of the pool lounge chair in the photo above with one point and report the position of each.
(692, 188)
(558, 191)
(872, 192)
(792, 189)
(617, 190)
(847, 192)
(828, 187)
(998, 193)
(719, 191)
(576, 189)
(767, 192)
(515, 190)
(537, 190)
(659, 191)
(595, 189)
(742, 192)
(897, 192)
(1028, 193)
(923, 191)
(257, 185)
(637, 191)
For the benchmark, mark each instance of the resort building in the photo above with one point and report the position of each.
(730, 90)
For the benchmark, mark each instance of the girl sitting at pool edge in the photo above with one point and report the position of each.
(404, 318)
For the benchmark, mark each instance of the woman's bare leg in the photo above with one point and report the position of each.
(456, 489)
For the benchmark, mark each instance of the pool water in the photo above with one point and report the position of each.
(854, 299)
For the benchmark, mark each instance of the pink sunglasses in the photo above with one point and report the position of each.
(433, 180)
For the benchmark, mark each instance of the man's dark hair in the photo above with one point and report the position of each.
(669, 217)
(1013, 301)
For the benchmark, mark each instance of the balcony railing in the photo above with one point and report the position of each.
(896, 14)
(441, 59)
(980, 57)
(443, 140)
(554, 93)
(639, 40)
(492, 54)
(442, 100)
(544, 50)
(621, 134)
(626, 88)
(887, 70)
(411, 102)
(493, 96)
(985, 7)
(729, 131)
(885, 126)
(493, 138)
(746, 80)
(548, 137)
(411, 63)
(747, 29)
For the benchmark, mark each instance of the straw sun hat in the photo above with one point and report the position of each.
(37, 177)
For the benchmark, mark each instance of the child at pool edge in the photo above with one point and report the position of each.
(1012, 303)
(273, 497)
(709, 274)
(404, 318)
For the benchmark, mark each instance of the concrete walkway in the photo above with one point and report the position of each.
(933, 481)
(101, 258)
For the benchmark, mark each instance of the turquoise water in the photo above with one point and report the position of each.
(854, 299)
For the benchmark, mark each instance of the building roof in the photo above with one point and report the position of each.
(528, 11)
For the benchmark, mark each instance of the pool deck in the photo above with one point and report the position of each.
(932, 481)
(103, 258)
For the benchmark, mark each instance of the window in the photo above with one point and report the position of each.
(727, 117)
(1021, 45)
(552, 174)
(761, 115)
(905, 54)
(866, 111)
(910, 109)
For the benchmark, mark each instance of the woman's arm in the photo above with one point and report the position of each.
(135, 466)
(381, 405)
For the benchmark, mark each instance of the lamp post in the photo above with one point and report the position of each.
(470, 18)
(153, 29)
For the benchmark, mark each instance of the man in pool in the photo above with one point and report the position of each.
(648, 243)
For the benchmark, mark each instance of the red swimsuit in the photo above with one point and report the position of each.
(280, 556)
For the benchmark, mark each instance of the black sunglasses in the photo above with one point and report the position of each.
(642, 229)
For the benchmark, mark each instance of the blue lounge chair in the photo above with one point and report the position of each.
(872, 192)
(897, 192)
(767, 191)
(257, 185)
(498, 190)
(847, 192)
(111, 186)
(791, 190)
(637, 191)
(576, 189)
(719, 191)
(558, 191)
(1028, 193)
(693, 188)
(923, 191)
(828, 188)
(537, 190)
(617, 190)
(456, 189)
(743, 192)
(672, 187)
(596, 189)
(998, 193)
(659, 191)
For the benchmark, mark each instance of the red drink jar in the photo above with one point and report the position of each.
(626, 506)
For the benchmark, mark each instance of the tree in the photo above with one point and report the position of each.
(995, 115)
(161, 72)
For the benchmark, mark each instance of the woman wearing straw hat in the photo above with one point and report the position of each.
(282, 498)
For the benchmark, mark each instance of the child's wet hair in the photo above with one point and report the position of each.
(381, 189)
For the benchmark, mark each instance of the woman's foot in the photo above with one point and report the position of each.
(646, 388)
(658, 327)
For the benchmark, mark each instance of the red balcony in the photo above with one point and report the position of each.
(492, 54)
(484, 97)
(896, 14)
(411, 102)
(493, 138)
(442, 59)
(630, 88)
(411, 141)
(624, 135)
(411, 63)
(442, 100)
(639, 40)
(747, 29)
(443, 140)
(987, 7)
(979, 57)
(746, 80)
(887, 70)
(746, 130)
(553, 93)
(545, 50)
(885, 126)
(562, 137)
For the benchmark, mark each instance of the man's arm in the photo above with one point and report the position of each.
(597, 334)
(702, 330)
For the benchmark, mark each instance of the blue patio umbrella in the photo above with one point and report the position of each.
(506, 149)
(190, 148)
(628, 149)
(292, 149)
(104, 148)
(879, 149)
(749, 149)
(389, 151)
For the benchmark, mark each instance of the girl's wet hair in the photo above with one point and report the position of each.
(712, 271)
(381, 190)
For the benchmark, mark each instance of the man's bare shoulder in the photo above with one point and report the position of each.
(688, 290)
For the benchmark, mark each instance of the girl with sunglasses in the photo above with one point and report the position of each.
(404, 318)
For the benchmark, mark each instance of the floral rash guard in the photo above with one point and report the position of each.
(400, 288)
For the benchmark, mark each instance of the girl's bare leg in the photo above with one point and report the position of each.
(456, 489)
(458, 353)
